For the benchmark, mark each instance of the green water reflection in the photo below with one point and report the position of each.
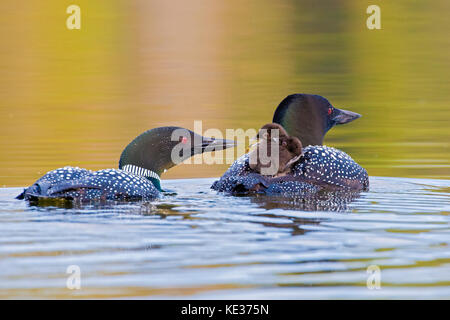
(77, 97)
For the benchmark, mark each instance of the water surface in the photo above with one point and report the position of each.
(78, 97)
(198, 244)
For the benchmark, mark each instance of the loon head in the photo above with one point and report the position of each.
(309, 117)
(159, 149)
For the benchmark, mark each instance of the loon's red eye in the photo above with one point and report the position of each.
(183, 139)
(330, 110)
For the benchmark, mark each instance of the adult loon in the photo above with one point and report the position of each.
(307, 117)
(140, 168)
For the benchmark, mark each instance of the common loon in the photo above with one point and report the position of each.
(307, 117)
(138, 176)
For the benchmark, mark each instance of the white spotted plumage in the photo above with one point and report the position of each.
(318, 166)
(82, 184)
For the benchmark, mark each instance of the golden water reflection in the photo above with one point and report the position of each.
(77, 97)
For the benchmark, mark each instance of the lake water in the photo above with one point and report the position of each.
(78, 97)
(194, 243)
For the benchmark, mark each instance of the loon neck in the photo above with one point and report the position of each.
(148, 155)
(146, 173)
(159, 149)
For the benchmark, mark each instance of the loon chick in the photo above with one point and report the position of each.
(307, 117)
(273, 138)
(138, 176)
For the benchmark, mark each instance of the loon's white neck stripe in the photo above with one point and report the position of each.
(140, 171)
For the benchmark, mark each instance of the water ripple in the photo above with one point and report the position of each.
(196, 243)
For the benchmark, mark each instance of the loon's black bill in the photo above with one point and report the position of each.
(345, 116)
(211, 144)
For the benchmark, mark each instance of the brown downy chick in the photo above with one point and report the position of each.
(289, 151)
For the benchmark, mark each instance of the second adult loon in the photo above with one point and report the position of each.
(140, 168)
(307, 117)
